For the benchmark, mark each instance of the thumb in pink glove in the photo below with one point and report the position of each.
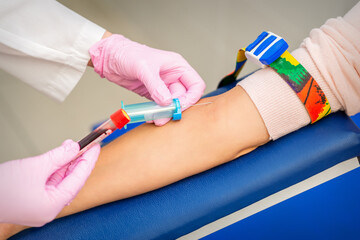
(155, 74)
(34, 190)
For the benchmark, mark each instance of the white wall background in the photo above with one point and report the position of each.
(207, 33)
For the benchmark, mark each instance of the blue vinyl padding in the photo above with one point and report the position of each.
(182, 207)
(356, 119)
(329, 211)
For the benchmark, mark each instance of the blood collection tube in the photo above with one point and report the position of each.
(117, 121)
(149, 111)
(139, 112)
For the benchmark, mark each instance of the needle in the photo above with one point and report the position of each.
(198, 104)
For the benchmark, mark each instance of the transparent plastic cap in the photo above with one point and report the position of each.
(149, 111)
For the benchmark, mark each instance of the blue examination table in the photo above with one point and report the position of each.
(185, 206)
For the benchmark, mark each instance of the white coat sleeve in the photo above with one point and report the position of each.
(45, 44)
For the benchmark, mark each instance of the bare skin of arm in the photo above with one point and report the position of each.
(207, 136)
(151, 157)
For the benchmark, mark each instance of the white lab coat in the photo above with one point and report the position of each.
(45, 44)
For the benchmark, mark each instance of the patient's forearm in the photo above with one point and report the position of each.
(150, 157)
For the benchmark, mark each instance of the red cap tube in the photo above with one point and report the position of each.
(120, 118)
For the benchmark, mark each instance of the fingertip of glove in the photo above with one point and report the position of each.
(161, 95)
(67, 142)
(162, 101)
(71, 146)
(184, 102)
(161, 122)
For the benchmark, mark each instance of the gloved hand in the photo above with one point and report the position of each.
(155, 74)
(34, 190)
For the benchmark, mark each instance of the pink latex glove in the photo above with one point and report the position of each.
(34, 190)
(155, 74)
